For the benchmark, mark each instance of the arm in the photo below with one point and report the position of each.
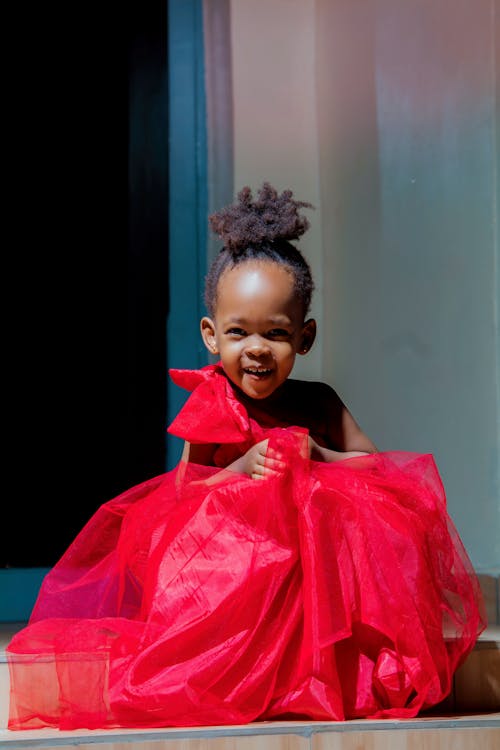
(343, 432)
(254, 462)
(328, 456)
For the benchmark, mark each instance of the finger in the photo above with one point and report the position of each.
(262, 471)
(275, 455)
(274, 471)
(258, 468)
(274, 451)
(261, 459)
(254, 475)
(274, 464)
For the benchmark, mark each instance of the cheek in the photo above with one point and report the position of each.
(230, 348)
(287, 353)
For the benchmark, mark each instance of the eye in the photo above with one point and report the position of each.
(278, 333)
(236, 332)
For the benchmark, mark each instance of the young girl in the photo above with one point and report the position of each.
(285, 568)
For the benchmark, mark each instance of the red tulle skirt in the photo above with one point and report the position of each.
(204, 597)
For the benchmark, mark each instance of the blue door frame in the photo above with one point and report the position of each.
(188, 200)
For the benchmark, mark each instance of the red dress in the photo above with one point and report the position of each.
(204, 597)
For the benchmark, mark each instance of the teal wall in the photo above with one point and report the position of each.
(188, 199)
(18, 591)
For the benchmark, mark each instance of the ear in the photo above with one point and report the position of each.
(207, 327)
(308, 336)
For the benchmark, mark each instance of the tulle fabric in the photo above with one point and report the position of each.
(203, 597)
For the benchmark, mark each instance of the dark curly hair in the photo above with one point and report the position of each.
(260, 230)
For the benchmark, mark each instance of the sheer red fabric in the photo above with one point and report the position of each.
(204, 597)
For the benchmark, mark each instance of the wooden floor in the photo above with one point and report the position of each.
(468, 720)
(466, 732)
(452, 727)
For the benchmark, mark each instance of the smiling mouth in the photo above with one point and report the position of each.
(258, 372)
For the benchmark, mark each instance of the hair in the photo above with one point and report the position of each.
(260, 229)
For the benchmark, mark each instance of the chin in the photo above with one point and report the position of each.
(256, 395)
(259, 396)
(262, 395)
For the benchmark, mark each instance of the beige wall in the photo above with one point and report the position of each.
(382, 114)
(275, 130)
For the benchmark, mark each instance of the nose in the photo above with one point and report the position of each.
(257, 346)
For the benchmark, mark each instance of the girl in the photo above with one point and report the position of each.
(285, 568)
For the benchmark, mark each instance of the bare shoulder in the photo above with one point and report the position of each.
(316, 405)
(329, 417)
(323, 400)
(316, 392)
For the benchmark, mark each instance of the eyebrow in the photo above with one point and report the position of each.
(275, 320)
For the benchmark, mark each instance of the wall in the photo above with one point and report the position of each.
(382, 114)
(187, 201)
(274, 110)
(407, 139)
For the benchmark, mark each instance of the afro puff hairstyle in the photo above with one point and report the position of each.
(260, 229)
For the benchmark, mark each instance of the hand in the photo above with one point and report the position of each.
(257, 462)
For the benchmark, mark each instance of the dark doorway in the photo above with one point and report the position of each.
(88, 356)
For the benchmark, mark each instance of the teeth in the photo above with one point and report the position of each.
(257, 371)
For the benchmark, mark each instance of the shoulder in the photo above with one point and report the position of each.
(320, 399)
(317, 406)
(317, 391)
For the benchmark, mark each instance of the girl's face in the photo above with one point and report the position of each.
(258, 326)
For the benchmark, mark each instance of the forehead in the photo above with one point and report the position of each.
(262, 286)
